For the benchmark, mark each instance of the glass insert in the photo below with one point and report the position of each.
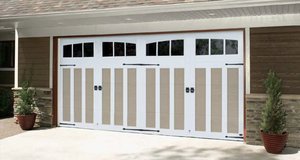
(164, 48)
(201, 46)
(177, 47)
(67, 51)
(7, 53)
(231, 47)
(151, 49)
(217, 46)
(88, 49)
(77, 50)
(107, 49)
(119, 49)
(130, 49)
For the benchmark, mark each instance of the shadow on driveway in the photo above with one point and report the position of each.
(191, 153)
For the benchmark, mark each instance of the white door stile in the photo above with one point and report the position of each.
(112, 97)
(157, 99)
(83, 96)
(224, 100)
(189, 46)
(171, 98)
(142, 98)
(125, 96)
(241, 100)
(72, 93)
(60, 94)
(97, 97)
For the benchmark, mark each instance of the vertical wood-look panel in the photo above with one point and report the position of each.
(216, 99)
(89, 95)
(200, 99)
(165, 98)
(131, 94)
(77, 95)
(118, 115)
(233, 100)
(34, 61)
(179, 98)
(275, 48)
(66, 94)
(150, 98)
(106, 82)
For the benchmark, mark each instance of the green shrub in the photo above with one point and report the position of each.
(26, 104)
(273, 115)
(6, 102)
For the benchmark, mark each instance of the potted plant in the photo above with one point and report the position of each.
(273, 122)
(25, 107)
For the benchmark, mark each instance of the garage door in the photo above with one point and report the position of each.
(188, 84)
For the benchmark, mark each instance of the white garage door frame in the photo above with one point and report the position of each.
(190, 62)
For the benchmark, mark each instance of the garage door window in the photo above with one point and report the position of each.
(217, 46)
(118, 49)
(78, 50)
(231, 46)
(151, 49)
(88, 49)
(177, 47)
(163, 48)
(67, 51)
(130, 49)
(201, 46)
(107, 49)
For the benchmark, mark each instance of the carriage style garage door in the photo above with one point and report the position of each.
(187, 84)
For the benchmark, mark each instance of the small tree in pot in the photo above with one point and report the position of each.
(273, 122)
(25, 107)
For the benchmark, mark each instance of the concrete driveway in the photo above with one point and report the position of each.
(67, 143)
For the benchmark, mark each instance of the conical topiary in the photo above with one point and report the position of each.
(273, 114)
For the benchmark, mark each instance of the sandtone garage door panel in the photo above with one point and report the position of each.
(118, 97)
(165, 98)
(150, 98)
(77, 95)
(106, 93)
(179, 98)
(131, 93)
(66, 95)
(89, 94)
(233, 103)
(188, 84)
(216, 100)
(200, 99)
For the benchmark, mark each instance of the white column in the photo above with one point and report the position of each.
(247, 43)
(16, 83)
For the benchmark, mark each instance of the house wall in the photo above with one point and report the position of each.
(34, 61)
(275, 48)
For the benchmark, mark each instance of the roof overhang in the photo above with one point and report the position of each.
(186, 11)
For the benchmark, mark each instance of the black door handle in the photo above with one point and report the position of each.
(95, 88)
(187, 90)
(99, 88)
(192, 90)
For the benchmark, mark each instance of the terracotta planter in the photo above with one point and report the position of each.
(274, 143)
(26, 122)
